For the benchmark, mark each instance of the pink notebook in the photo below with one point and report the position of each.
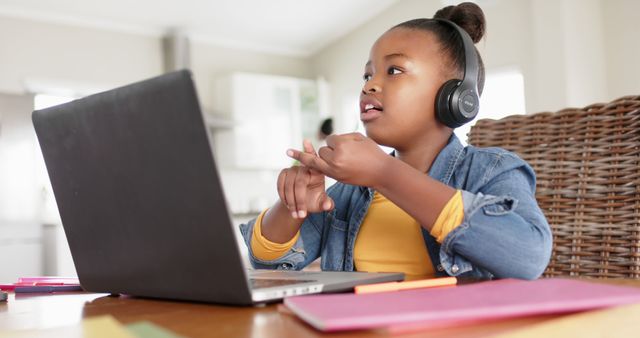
(441, 307)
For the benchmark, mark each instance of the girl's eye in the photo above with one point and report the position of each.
(393, 71)
(366, 77)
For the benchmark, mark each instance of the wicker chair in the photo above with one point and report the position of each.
(587, 162)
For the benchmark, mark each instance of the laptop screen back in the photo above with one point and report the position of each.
(139, 195)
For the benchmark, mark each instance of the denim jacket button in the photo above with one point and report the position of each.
(440, 267)
(454, 268)
(286, 266)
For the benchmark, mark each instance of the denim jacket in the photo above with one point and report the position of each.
(503, 235)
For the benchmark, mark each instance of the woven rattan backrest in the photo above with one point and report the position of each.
(587, 163)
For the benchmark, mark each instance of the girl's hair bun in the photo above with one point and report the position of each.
(468, 16)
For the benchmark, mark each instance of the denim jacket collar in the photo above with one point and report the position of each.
(445, 163)
(443, 166)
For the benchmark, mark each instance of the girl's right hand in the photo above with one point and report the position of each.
(301, 189)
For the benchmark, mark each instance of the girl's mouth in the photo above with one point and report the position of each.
(370, 113)
(370, 110)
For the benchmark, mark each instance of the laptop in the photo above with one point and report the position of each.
(142, 205)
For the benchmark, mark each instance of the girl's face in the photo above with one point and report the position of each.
(402, 77)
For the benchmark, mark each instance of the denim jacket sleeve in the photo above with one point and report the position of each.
(504, 232)
(304, 251)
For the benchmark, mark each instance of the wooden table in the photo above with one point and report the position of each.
(39, 311)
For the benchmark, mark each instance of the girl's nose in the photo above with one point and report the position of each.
(371, 87)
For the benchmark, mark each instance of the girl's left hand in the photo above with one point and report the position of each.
(349, 158)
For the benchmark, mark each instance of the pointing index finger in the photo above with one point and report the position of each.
(310, 160)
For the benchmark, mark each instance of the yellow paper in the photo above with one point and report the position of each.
(95, 327)
(622, 321)
(104, 327)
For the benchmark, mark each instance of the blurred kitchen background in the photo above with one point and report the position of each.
(267, 73)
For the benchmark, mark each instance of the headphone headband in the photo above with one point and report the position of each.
(470, 60)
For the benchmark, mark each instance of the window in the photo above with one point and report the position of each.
(503, 95)
(59, 259)
(42, 101)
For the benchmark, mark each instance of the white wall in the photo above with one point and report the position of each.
(36, 53)
(508, 41)
(621, 29)
(584, 53)
(569, 55)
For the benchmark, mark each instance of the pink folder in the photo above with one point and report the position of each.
(441, 307)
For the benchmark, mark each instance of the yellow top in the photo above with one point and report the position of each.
(389, 239)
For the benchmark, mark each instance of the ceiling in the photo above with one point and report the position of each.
(292, 27)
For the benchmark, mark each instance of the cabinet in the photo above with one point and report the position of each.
(269, 114)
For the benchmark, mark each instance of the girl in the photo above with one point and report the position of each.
(432, 207)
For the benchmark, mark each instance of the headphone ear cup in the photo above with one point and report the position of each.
(444, 111)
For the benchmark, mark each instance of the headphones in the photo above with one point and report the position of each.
(458, 102)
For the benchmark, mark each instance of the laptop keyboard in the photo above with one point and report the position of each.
(269, 283)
